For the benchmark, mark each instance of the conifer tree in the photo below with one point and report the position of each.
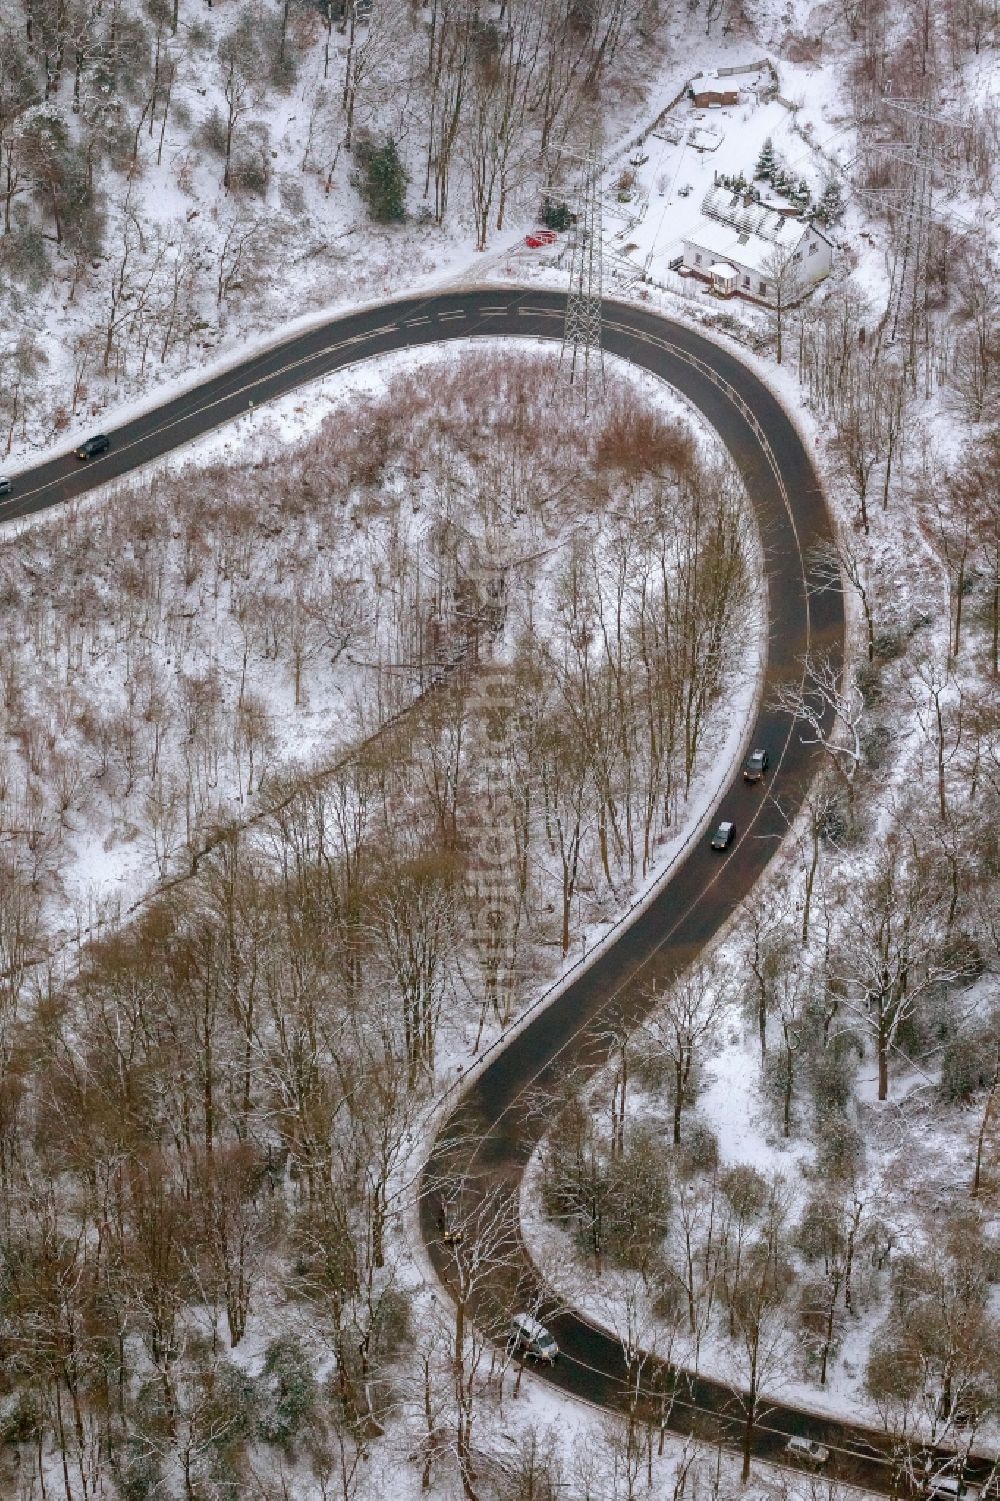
(381, 179)
(766, 162)
(831, 203)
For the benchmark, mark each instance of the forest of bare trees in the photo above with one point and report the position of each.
(791, 1173)
(148, 177)
(210, 1114)
(306, 715)
(864, 1251)
(848, 1026)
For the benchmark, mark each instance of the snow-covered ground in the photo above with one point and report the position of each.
(250, 263)
(320, 245)
(103, 856)
(315, 254)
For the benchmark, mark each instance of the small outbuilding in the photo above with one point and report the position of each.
(708, 90)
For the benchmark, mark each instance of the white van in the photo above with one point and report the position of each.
(808, 1450)
(950, 1488)
(531, 1338)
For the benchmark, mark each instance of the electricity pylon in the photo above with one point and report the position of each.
(918, 157)
(918, 154)
(582, 335)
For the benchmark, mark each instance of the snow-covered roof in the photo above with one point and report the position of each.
(755, 218)
(722, 268)
(735, 246)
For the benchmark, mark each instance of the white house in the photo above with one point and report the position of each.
(755, 249)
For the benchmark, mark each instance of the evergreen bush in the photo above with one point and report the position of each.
(831, 204)
(286, 1392)
(381, 179)
(556, 215)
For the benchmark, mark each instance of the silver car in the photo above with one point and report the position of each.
(808, 1450)
(529, 1337)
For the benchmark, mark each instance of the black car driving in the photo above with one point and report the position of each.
(723, 836)
(99, 443)
(755, 765)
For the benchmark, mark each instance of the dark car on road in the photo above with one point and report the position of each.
(99, 443)
(723, 836)
(5, 485)
(755, 766)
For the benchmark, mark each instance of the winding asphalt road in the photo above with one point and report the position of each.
(481, 1153)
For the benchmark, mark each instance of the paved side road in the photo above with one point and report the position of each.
(479, 1160)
